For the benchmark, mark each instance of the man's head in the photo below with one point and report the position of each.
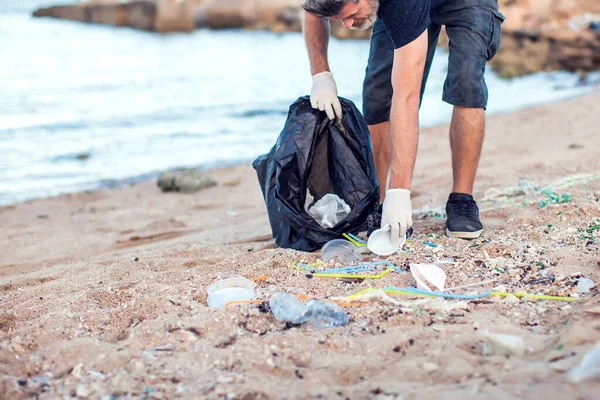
(354, 14)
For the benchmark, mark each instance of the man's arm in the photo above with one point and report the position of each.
(323, 95)
(407, 74)
(316, 35)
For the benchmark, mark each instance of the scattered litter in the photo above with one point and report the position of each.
(503, 344)
(584, 285)
(430, 244)
(228, 290)
(589, 368)
(261, 278)
(286, 307)
(428, 274)
(340, 250)
(328, 210)
(352, 276)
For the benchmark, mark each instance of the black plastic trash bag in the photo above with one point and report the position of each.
(322, 156)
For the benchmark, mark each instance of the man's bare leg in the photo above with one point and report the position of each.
(382, 152)
(467, 130)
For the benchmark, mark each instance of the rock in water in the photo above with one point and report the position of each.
(184, 180)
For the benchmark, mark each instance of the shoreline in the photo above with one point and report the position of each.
(209, 167)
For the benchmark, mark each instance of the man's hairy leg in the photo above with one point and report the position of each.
(467, 131)
(382, 152)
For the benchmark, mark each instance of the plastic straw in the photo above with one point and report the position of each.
(352, 276)
(357, 239)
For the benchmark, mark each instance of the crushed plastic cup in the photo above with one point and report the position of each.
(232, 289)
(380, 242)
(329, 210)
(341, 250)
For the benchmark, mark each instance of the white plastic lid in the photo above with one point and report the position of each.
(380, 242)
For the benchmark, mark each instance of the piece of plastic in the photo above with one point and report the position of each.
(588, 368)
(321, 156)
(428, 274)
(287, 307)
(340, 250)
(227, 290)
(380, 242)
(329, 210)
(584, 285)
(503, 344)
(321, 315)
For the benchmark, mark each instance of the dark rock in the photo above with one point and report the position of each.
(184, 180)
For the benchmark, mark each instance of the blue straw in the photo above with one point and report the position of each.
(430, 244)
(438, 294)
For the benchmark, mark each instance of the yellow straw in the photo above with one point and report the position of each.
(532, 296)
(536, 296)
(379, 276)
(354, 242)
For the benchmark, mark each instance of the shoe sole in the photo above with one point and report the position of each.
(463, 235)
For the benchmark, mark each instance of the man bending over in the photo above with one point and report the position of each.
(405, 34)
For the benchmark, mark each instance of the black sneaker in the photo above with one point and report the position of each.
(462, 217)
(374, 222)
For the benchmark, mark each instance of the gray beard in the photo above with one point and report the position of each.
(374, 4)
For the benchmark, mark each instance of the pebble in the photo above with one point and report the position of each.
(430, 367)
(82, 391)
(511, 299)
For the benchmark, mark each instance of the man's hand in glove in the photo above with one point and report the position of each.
(397, 212)
(323, 95)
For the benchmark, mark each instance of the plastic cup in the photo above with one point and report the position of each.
(340, 250)
(232, 289)
(380, 242)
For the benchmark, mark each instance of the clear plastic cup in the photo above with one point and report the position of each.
(232, 289)
(340, 250)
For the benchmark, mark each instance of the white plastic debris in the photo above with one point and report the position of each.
(430, 274)
(503, 344)
(584, 285)
(588, 368)
(329, 210)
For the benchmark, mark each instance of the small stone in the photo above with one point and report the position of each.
(500, 289)
(17, 348)
(225, 379)
(511, 299)
(77, 371)
(430, 367)
(270, 363)
(185, 181)
(82, 391)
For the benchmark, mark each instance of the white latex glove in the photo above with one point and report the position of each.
(323, 95)
(397, 212)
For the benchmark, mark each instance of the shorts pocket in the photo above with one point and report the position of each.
(497, 19)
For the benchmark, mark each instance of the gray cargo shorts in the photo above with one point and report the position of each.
(473, 27)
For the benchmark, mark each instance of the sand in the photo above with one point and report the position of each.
(103, 294)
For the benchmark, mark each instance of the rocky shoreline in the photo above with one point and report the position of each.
(538, 35)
